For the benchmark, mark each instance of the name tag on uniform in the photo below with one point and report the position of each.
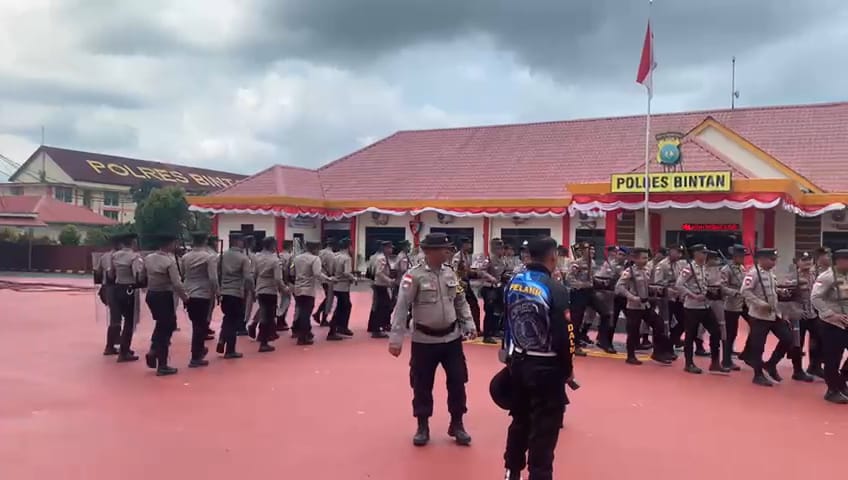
(425, 285)
(452, 283)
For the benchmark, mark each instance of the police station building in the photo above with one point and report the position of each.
(763, 177)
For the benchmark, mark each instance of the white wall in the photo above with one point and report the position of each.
(53, 174)
(430, 219)
(741, 156)
(232, 223)
(309, 227)
(784, 237)
(554, 223)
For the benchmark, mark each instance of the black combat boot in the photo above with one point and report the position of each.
(761, 380)
(771, 370)
(110, 350)
(512, 474)
(129, 356)
(457, 431)
(833, 396)
(692, 368)
(422, 435)
(197, 362)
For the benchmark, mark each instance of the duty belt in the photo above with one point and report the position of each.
(531, 353)
(436, 332)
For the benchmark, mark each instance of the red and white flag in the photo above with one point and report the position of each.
(647, 64)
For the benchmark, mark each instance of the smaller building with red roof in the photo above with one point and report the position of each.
(770, 176)
(46, 216)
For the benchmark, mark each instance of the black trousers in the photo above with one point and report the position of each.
(198, 313)
(759, 333)
(113, 329)
(731, 328)
(267, 313)
(619, 304)
(473, 304)
(812, 326)
(341, 317)
(423, 360)
(319, 312)
(651, 319)
(692, 319)
(676, 311)
(233, 309)
(581, 299)
(123, 311)
(493, 308)
(538, 406)
(161, 306)
(381, 310)
(303, 305)
(834, 344)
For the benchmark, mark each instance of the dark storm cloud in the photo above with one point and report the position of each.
(55, 92)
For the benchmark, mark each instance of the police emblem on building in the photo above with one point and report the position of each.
(669, 154)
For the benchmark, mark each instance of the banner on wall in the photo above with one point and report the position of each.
(302, 222)
(671, 182)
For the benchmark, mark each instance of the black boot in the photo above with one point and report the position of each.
(457, 431)
(771, 369)
(124, 357)
(164, 369)
(512, 475)
(197, 362)
(422, 435)
(110, 350)
(833, 396)
(692, 368)
(761, 380)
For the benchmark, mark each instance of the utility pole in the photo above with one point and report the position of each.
(734, 94)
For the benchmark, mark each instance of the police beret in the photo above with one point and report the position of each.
(663, 251)
(698, 247)
(639, 250)
(803, 256)
(496, 241)
(711, 253)
(436, 240)
(344, 243)
(841, 253)
(123, 237)
(738, 250)
(766, 252)
(678, 248)
(500, 389)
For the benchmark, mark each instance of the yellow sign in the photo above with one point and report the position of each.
(160, 174)
(672, 182)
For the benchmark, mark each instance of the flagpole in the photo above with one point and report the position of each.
(648, 143)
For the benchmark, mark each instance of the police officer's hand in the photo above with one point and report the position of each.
(470, 335)
(395, 350)
(699, 297)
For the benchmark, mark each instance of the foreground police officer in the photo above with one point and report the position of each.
(163, 281)
(540, 345)
(268, 275)
(440, 319)
(200, 267)
(236, 283)
(830, 298)
(124, 271)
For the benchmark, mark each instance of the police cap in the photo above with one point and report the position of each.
(436, 240)
(841, 253)
(636, 251)
(766, 253)
(738, 250)
(699, 247)
(199, 237)
(500, 389)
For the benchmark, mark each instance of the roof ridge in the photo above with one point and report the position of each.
(720, 156)
(355, 152)
(239, 182)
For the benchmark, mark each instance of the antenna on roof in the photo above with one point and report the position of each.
(734, 94)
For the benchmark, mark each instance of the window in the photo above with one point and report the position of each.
(86, 199)
(17, 190)
(374, 235)
(111, 199)
(835, 240)
(595, 237)
(113, 214)
(455, 233)
(64, 194)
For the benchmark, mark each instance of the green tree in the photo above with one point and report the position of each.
(9, 235)
(70, 235)
(141, 191)
(164, 211)
(100, 237)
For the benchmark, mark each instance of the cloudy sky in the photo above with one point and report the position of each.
(241, 84)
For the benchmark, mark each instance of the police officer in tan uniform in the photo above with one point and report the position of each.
(732, 275)
(669, 270)
(285, 297)
(379, 322)
(308, 274)
(105, 294)
(462, 262)
(344, 278)
(830, 298)
(213, 244)
(163, 281)
(794, 306)
(579, 279)
(492, 270)
(268, 275)
(200, 268)
(692, 287)
(327, 256)
(760, 291)
(236, 285)
(633, 286)
(124, 274)
(440, 320)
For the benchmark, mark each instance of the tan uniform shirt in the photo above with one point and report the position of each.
(308, 274)
(343, 271)
(382, 271)
(438, 302)
(268, 273)
(236, 273)
(494, 266)
(102, 267)
(580, 274)
(633, 284)
(692, 281)
(461, 263)
(830, 297)
(732, 276)
(285, 266)
(200, 268)
(667, 273)
(326, 255)
(125, 266)
(162, 273)
(761, 297)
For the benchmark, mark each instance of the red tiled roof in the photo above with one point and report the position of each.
(76, 164)
(279, 180)
(698, 157)
(537, 160)
(20, 222)
(49, 210)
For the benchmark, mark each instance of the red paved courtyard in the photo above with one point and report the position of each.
(342, 411)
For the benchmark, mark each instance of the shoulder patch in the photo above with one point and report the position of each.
(406, 281)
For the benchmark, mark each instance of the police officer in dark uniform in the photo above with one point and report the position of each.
(124, 272)
(440, 319)
(540, 344)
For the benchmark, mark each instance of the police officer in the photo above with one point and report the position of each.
(268, 275)
(760, 291)
(461, 264)
(379, 321)
(163, 281)
(540, 343)
(249, 295)
(105, 294)
(633, 286)
(327, 255)
(691, 286)
(798, 308)
(344, 278)
(579, 279)
(616, 260)
(236, 284)
(669, 270)
(213, 245)
(124, 273)
(285, 297)
(492, 269)
(732, 275)
(200, 268)
(308, 274)
(440, 320)
(830, 298)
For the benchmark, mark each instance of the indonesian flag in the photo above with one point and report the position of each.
(647, 64)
